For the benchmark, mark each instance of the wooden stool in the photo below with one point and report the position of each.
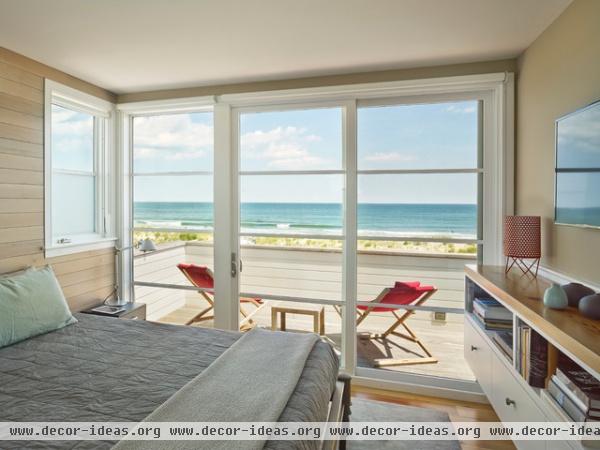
(317, 313)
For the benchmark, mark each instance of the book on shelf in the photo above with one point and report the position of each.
(493, 325)
(524, 333)
(491, 309)
(504, 340)
(538, 360)
(567, 405)
(572, 407)
(583, 386)
(532, 356)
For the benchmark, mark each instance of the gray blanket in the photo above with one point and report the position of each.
(271, 362)
(104, 369)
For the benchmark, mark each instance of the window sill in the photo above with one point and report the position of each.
(78, 247)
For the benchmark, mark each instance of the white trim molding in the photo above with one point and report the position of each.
(169, 106)
(464, 83)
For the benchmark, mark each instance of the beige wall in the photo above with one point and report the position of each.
(85, 277)
(504, 65)
(558, 73)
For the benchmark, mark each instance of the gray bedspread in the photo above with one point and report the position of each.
(105, 369)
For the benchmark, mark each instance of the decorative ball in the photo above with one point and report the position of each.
(589, 306)
(555, 297)
(575, 292)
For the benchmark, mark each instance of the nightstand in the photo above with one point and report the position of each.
(131, 311)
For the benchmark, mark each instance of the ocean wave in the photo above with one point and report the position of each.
(174, 224)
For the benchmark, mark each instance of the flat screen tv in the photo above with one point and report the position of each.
(577, 196)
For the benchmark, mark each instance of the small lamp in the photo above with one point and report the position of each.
(145, 245)
(523, 243)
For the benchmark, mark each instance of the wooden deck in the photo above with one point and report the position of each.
(317, 275)
(444, 340)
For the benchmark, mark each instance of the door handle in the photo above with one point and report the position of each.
(233, 265)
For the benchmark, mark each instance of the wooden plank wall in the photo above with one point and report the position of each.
(85, 277)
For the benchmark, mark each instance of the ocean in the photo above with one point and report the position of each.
(378, 219)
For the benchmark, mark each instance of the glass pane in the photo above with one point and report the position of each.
(577, 200)
(174, 202)
(439, 354)
(72, 140)
(298, 204)
(173, 143)
(423, 205)
(73, 204)
(292, 267)
(440, 135)
(299, 317)
(394, 272)
(578, 139)
(291, 140)
(172, 305)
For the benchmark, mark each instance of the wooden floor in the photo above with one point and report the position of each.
(444, 339)
(458, 411)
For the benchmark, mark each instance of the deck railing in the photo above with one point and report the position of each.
(299, 272)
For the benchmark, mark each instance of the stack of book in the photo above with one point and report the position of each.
(492, 315)
(576, 391)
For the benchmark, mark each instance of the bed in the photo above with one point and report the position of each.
(106, 369)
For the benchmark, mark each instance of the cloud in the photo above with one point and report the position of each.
(284, 148)
(462, 109)
(389, 157)
(171, 137)
(71, 131)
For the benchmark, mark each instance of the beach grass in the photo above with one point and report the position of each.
(162, 237)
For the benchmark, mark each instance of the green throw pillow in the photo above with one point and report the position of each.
(31, 303)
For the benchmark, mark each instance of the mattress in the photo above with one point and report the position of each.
(107, 369)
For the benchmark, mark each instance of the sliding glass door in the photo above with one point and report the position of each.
(346, 213)
(419, 181)
(405, 196)
(291, 180)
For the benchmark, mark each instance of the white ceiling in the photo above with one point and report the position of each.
(139, 45)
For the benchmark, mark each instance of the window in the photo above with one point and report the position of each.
(323, 199)
(420, 174)
(78, 153)
(172, 173)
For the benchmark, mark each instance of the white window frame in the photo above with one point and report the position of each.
(104, 149)
(126, 112)
(496, 91)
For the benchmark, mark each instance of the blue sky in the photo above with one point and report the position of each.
(72, 140)
(399, 137)
(579, 139)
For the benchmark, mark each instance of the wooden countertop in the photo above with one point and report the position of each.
(567, 329)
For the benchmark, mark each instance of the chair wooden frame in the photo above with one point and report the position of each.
(246, 324)
(401, 319)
